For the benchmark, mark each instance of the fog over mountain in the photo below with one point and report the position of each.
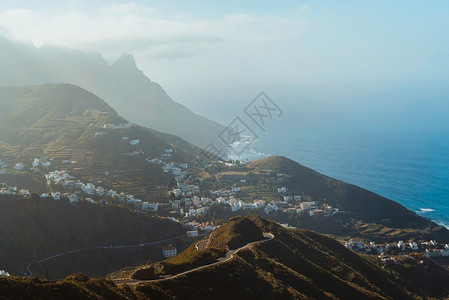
(126, 88)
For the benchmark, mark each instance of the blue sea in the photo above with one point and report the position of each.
(407, 164)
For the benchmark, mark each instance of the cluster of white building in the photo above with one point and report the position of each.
(118, 126)
(12, 190)
(59, 177)
(430, 249)
(177, 169)
(371, 247)
(89, 189)
(437, 252)
(44, 162)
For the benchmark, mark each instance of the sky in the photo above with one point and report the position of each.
(335, 57)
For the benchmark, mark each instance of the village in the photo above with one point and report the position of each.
(186, 203)
(388, 253)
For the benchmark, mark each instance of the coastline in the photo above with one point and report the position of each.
(427, 210)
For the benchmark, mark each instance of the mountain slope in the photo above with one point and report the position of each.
(300, 264)
(36, 228)
(66, 123)
(361, 212)
(121, 84)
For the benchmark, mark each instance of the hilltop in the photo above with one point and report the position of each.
(124, 87)
(295, 264)
(232, 235)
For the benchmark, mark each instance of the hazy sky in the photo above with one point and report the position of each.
(215, 56)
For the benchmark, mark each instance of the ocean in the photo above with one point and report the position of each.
(408, 165)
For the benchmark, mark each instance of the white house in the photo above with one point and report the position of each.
(192, 233)
(169, 251)
(19, 166)
(35, 163)
(100, 191)
(413, 246)
(73, 198)
(46, 164)
(269, 208)
(259, 203)
(235, 207)
(307, 205)
(282, 190)
(89, 189)
(56, 196)
(177, 193)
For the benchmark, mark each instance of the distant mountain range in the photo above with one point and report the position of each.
(122, 85)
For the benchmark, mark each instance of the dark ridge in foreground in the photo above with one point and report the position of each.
(300, 264)
(295, 264)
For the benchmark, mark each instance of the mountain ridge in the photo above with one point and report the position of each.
(123, 86)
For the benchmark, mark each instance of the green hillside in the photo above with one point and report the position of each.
(66, 123)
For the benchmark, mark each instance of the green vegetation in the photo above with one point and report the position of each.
(61, 122)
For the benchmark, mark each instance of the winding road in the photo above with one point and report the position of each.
(26, 267)
(229, 255)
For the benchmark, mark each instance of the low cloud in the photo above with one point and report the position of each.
(139, 28)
